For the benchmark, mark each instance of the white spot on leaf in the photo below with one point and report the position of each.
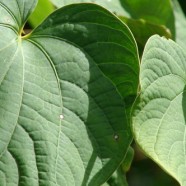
(61, 116)
(7, 20)
(116, 137)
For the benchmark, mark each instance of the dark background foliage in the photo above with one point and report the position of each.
(183, 5)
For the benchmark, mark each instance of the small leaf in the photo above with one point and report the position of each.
(122, 66)
(159, 115)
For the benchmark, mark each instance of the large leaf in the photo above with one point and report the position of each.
(144, 18)
(159, 117)
(62, 122)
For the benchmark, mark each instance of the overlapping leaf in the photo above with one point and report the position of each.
(159, 122)
(62, 122)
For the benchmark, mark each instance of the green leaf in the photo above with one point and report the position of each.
(180, 24)
(143, 30)
(159, 115)
(62, 122)
(122, 66)
(154, 12)
(43, 9)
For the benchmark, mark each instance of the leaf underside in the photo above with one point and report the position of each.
(159, 114)
(62, 122)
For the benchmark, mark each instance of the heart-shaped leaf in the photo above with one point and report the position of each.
(62, 122)
(160, 116)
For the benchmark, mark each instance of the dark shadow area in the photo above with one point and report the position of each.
(145, 172)
(106, 126)
(183, 5)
